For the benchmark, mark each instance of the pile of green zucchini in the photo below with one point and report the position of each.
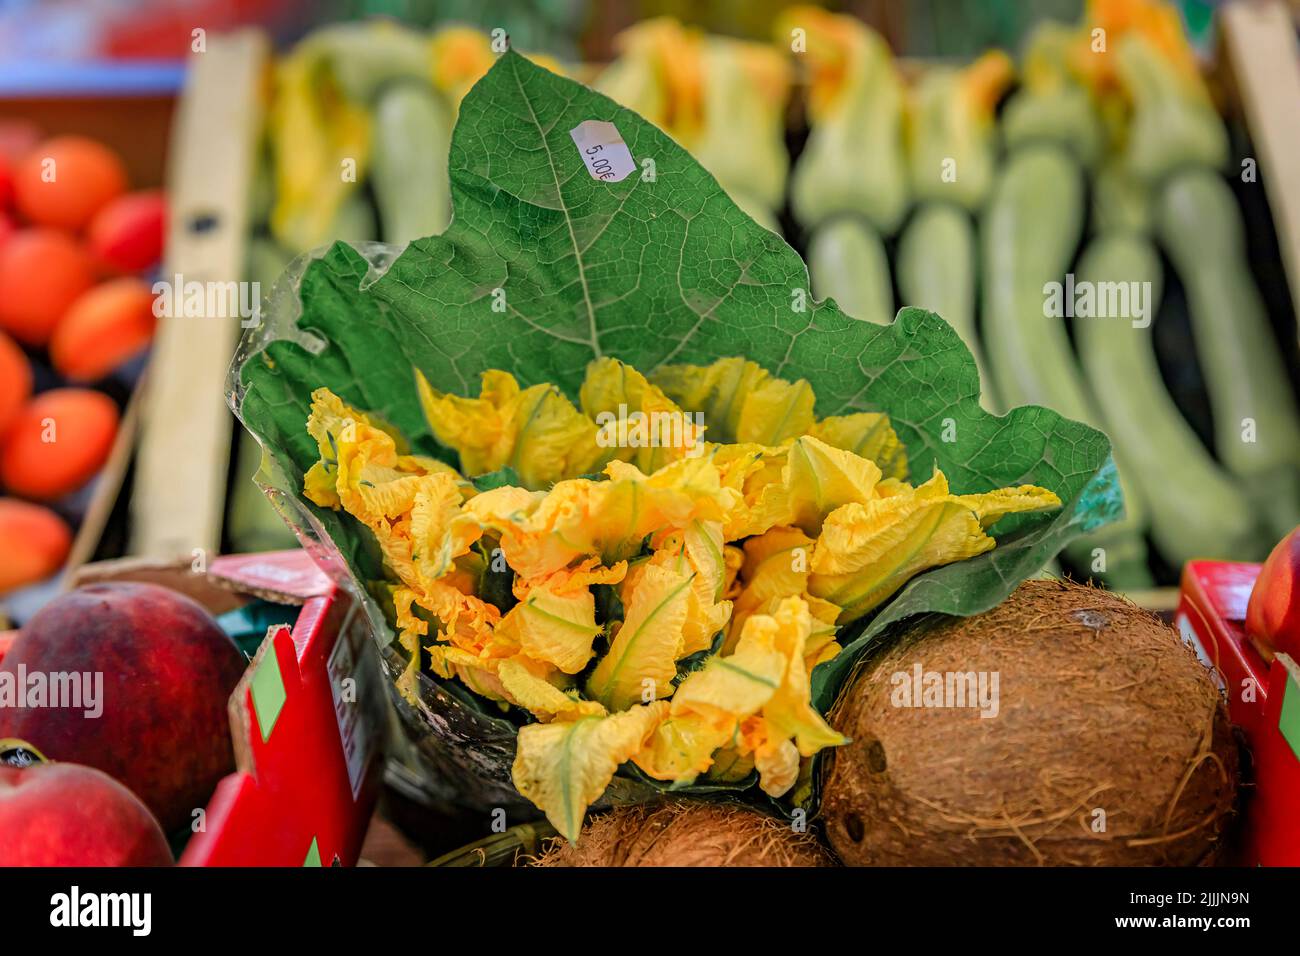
(1100, 166)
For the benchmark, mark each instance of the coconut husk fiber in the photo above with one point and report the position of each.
(687, 833)
(1111, 744)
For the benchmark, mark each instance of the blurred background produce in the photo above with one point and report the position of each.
(955, 155)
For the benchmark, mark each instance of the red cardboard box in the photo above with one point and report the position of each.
(1263, 700)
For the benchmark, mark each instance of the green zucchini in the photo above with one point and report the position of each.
(1174, 123)
(1120, 201)
(1029, 233)
(847, 263)
(354, 221)
(264, 261)
(252, 523)
(412, 142)
(854, 160)
(1196, 511)
(1051, 105)
(1200, 227)
(1063, 115)
(952, 142)
(743, 140)
(936, 271)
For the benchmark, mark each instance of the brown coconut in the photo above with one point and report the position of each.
(1111, 744)
(682, 833)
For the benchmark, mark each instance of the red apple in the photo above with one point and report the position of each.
(164, 672)
(1273, 614)
(63, 814)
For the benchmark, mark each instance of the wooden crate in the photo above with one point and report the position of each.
(1262, 60)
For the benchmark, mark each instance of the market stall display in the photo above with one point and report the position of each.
(659, 424)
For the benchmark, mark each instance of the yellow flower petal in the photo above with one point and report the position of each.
(642, 657)
(821, 645)
(698, 549)
(556, 628)
(820, 478)
(776, 411)
(730, 765)
(867, 434)
(993, 505)
(499, 507)
(777, 565)
(733, 560)
(740, 401)
(778, 767)
(789, 713)
(867, 552)
(439, 534)
(729, 689)
(564, 766)
(637, 422)
(555, 621)
(410, 629)
(710, 704)
(536, 431)
(476, 672)
(524, 687)
(681, 748)
(717, 390)
(414, 515)
(611, 519)
(754, 475)
(554, 440)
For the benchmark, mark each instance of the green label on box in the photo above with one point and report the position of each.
(1289, 721)
(268, 692)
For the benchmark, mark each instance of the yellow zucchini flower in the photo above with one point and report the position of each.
(866, 552)
(314, 129)
(643, 653)
(565, 765)
(536, 431)
(555, 619)
(635, 420)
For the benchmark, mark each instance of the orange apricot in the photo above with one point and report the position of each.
(34, 543)
(58, 441)
(64, 181)
(41, 272)
(15, 380)
(104, 327)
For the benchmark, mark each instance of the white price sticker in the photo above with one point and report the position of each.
(603, 150)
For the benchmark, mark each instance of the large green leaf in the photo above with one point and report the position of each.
(660, 267)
